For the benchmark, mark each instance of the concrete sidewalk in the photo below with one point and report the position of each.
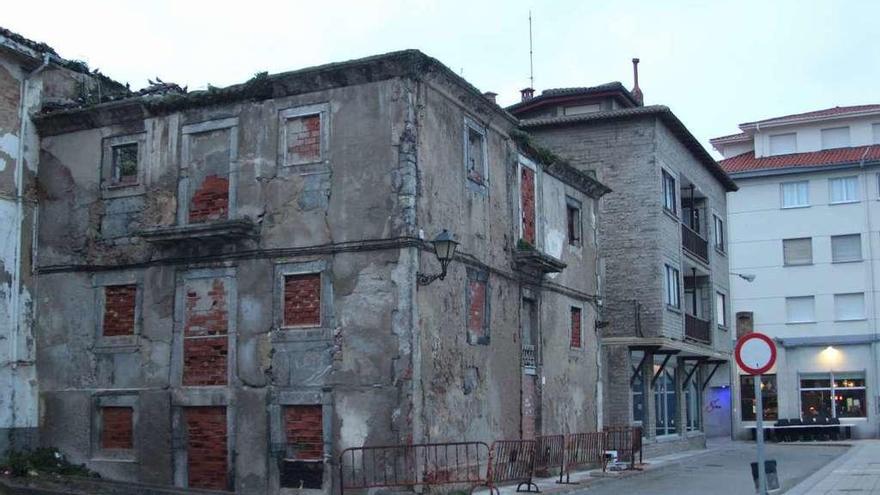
(584, 479)
(857, 472)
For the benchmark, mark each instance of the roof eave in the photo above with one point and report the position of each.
(749, 126)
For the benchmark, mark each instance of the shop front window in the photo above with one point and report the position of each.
(638, 387)
(833, 395)
(768, 397)
(693, 405)
(665, 398)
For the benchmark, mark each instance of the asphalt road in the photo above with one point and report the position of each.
(722, 471)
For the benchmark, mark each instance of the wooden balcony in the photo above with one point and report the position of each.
(697, 329)
(694, 243)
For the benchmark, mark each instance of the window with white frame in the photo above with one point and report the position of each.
(783, 144)
(836, 137)
(849, 306)
(844, 189)
(673, 289)
(795, 194)
(669, 195)
(846, 248)
(801, 309)
(721, 309)
(833, 395)
(797, 251)
(475, 153)
(876, 131)
(719, 233)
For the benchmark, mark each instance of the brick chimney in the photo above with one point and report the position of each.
(527, 94)
(745, 323)
(490, 96)
(637, 91)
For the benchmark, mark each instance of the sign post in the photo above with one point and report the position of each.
(755, 354)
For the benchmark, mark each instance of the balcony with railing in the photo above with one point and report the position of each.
(697, 329)
(694, 243)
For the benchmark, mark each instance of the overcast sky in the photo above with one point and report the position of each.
(715, 63)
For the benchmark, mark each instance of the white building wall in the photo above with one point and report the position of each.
(757, 226)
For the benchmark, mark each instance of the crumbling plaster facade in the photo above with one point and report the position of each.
(629, 149)
(348, 208)
(31, 75)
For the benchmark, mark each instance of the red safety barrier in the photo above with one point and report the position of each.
(549, 454)
(512, 461)
(465, 463)
(581, 449)
(626, 441)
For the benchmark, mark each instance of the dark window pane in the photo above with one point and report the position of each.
(125, 163)
(841, 381)
(815, 404)
(768, 397)
(302, 474)
(850, 403)
(815, 383)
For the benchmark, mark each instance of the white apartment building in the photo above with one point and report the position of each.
(805, 223)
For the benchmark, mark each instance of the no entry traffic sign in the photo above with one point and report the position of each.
(755, 353)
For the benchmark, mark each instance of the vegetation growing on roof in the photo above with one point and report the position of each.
(525, 141)
(46, 460)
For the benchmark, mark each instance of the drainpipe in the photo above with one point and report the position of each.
(19, 208)
(874, 346)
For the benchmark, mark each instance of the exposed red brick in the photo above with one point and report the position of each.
(119, 309)
(476, 316)
(117, 425)
(304, 138)
(527, 195)
(206, 450)
(304, 427)
(575, 327)
(205, 341)
(302, 299)
(210, 201)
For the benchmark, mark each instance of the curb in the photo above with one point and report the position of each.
(810, 481)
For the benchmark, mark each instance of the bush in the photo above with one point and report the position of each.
(46, 460)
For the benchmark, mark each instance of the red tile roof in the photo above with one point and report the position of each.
(828, 112)
(747, 162)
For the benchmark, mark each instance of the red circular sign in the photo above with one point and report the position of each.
(755, 353)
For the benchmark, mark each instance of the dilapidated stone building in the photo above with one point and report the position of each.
(665, 266)
(32, 76)
(230, 285)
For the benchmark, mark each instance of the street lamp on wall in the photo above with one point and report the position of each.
(444, 249)
(748, 277)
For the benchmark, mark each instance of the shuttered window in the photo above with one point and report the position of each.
(797, 251)
(849, 306)
(800, 309)
(836, 137)
(846, 248)
(782, 144)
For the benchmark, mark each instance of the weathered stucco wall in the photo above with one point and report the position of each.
(335, 216)
(478, 389)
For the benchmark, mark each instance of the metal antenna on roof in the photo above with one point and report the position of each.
(531, 63)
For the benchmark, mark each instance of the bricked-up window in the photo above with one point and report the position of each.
(576, 337)
(477, 307)
(303, 139)
(302, 300)
(573, 221)
(206, 326)
(209, 151)
(303, 464)
(124, 162)
(119, 310)
(206, 451)
(117, 424)
(527, 204)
